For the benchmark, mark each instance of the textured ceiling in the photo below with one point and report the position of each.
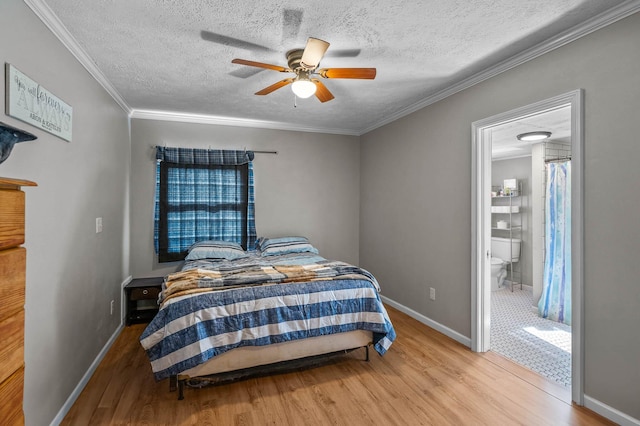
(504, 142)
(154, 54)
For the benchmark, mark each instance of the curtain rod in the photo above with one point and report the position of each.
(255, 152)
(553, 160)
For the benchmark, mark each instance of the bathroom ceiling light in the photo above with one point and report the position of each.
(533, 136)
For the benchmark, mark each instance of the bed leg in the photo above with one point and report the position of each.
(181, 389)
(173, 383)
(366, 348)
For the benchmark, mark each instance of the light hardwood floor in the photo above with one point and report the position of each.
(425, 378)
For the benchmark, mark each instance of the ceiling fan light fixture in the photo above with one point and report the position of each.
(302, 87)
(533, 136)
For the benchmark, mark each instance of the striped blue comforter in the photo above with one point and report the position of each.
(189, 330)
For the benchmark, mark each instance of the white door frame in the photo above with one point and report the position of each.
(481, 227)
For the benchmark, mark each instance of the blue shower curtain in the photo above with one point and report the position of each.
(555, 302)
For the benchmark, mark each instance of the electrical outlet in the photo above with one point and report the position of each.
(98, 225)
(432, 293)
(111, 306)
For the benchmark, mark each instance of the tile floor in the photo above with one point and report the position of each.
(518, 333)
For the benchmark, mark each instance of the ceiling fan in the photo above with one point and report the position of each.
(304, 63)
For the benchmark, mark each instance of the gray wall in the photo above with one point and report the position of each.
(415, 228)
(311, 188)
(72, 272)
(519, 168)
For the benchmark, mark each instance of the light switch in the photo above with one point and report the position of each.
(98, 225)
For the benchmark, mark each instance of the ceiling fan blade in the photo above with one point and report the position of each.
(343, 53)
(261, 65)
(313, 52)
(275, 86)
(322, 93)
(233, 42)
(362, 73)
(245, 72)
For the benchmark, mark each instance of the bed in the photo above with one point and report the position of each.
(229, 310)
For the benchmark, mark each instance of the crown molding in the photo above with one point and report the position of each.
(625, 9)
(46, 15)
(233, 121)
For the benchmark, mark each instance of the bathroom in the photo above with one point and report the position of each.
(519, 219)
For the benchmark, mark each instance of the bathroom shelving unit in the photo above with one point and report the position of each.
(514, 230)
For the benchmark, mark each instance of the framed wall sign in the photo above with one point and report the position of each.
(26, 100)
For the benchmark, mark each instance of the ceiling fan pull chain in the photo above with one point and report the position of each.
(295, 99)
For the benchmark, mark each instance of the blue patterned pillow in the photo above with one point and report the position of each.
(214, 249)
(285, 245)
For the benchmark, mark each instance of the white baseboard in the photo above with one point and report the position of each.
(92, 368)
(85, 379)
(610, 412)
(428, 321)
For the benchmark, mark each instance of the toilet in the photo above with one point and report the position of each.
(500, 253)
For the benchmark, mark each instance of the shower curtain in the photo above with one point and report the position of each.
(555, 302)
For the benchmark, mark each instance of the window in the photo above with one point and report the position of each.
(202, 195)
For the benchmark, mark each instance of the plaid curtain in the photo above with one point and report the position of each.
(202, 195)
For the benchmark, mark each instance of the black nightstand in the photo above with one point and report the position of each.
(142, 299)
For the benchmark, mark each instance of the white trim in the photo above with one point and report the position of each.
(597, 22)
(46, 15)
(184, 117)
(85, 379)
(123, 299)
(610, 412)
(577, 247)
(480, 212)
(428, 321)
(49, 18)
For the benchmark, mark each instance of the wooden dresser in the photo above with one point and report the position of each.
(13, 262)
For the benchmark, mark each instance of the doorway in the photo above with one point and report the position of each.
(482, 132)
(527, 328)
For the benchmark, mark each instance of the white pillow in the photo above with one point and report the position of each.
(215, 249)
(285, 245)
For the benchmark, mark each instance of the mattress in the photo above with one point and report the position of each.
(253, 356)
